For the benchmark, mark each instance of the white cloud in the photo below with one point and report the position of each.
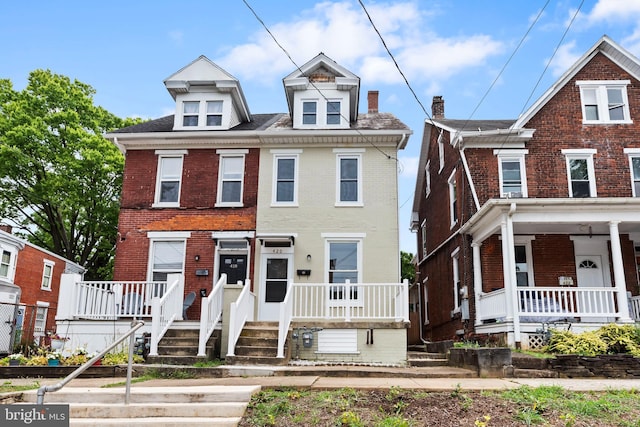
(614, 11)
(408, 166)
(565, 57)
(342, 31)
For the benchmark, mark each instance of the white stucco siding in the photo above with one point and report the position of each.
(316, 212)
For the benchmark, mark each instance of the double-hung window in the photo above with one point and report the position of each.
(427, 179)
(169, 178)
(333, 112)
(285, 173)
(309, 112)
(6, 266)
(214, 113)
(453, 198)
(455, 265)
(349, 177)
(344, 269)
(423, 238)
(604, 101)
(511, 170)
(580, 172)
(166, 256)
(190, 113)
(47, 275)
(231, 177)
(634, 167)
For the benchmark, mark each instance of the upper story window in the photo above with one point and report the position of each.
(453, 199)
(441, 150)
(309, 112)
(7, 264)
(203, 111)
(580, 172)
(169, 179)
(349, 178)
(634, 166)
(285, 176)
(190, 113)
(231, 177)
(427, 179)
(511, 170)
(47, 275)
(423, 238)
(333, 113)
(214, 113)
(604, 101)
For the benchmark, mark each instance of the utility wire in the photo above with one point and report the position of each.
(365, 137)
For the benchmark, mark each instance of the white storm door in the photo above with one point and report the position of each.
(590, 275)
(276, 275)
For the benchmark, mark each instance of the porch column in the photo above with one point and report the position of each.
(507, 254)
(477, 280)
(618, 272)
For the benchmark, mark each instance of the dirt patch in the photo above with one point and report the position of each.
(408, 408)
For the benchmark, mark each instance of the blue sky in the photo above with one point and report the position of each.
(451, 48)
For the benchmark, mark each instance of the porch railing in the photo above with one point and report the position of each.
(540, 303)
(350, 301)
(285, 317)
(112, 300)
(634, 308)
(240, 312)
(165, 310)
(211, 313)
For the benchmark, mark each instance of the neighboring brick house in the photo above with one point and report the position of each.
(36, 272)
(535, 221)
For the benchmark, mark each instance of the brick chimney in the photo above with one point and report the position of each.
(372, 99)
(437, 107)
(6, 228)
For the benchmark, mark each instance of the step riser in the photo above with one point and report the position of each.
(256, 341)
(426, 363)
(256, 351)
(228, 409)
(259, 333)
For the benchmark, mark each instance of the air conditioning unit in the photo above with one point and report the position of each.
(513, 195)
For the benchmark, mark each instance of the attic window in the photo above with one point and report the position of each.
(333, 112)
(214, 113)
(309, 112)
(190, 113)
(604, 101)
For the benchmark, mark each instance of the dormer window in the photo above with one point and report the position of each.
(309, 113)
(604, 101)
(214, 113)
(333, 112)
(199, 111)
(190, 113)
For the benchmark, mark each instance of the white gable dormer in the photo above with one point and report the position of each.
(207, 97)
(322, 95)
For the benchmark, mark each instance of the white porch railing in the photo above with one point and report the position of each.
(165, 310)
(351, 301)
(240, 312)
(211, 313)
(634, 308)
(286, 314)
(112, 300)
(540, 303)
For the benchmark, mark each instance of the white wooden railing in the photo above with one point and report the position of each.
(240, 312)
(634, 308)
(113, 300)
(285, 317)
(165, 310)
(211, 313)
(553, 302)
(350, 301)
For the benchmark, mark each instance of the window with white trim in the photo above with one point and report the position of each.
(512, 173)
(427, 179)
(214, 113)
(190, 113)
(199, 113)
(42, 309)
(285, 179)
(423, 238)
(524, 260)
(167, 257)
(441, 150)
(604, 101)
(344, 266)
(349, 179)
(455, 262)
(47, 275)
(634, 168)
(230, 178)
(580, 172)
(333, 113)
(453, 199)
(310, 112)
(169, 180)
(7, 269)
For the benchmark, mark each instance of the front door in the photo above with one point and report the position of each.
(276, 276)
(235, 267)
(590, 274)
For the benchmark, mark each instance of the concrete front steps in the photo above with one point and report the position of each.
(218, 406)
(258, 345)
(179, 346)
(425, 360)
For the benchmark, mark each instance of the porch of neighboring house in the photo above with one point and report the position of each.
(564, 264)
(320, 322)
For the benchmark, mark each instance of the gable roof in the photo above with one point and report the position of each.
(606, 46)
(321, 64)
(203, 73)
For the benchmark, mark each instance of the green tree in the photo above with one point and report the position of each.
(407, 268)
(61, 179)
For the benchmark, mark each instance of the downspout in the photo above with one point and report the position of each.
(465, 166)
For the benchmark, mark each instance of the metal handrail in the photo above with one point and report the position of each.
(136, 324)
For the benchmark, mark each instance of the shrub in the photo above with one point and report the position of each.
(609, 339)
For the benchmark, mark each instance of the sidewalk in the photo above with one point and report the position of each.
(265, 377)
